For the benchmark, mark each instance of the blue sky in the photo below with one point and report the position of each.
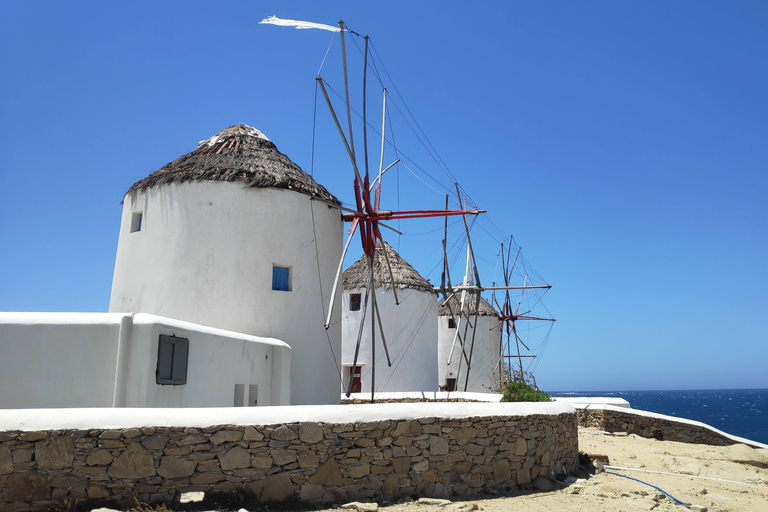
(623, 144)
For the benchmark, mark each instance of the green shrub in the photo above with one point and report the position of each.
(522, 392)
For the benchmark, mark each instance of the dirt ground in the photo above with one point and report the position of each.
(728, 478)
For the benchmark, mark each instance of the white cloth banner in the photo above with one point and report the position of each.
(274, 20)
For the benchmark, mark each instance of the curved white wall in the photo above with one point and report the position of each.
(109, 360)
(205, 254)
(411, 335)
(484, 370)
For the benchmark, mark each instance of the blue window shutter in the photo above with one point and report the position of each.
(280, 279)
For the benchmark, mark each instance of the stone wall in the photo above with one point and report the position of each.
(658, 426)
(316, 461)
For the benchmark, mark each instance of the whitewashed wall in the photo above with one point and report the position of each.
(205, 254)
(411, 335)
(484, 370)
(109, 360)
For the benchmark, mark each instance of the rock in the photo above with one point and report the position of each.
(96, 491)
(27, 487)
(104, 509)
(434, 501)
(361, 507)
(235, 458)
(99, 457)
(226, 436)
(6, 459)
(192, 497)
(309, 492)
(283, 433)
(359, 471)
(59, 453)
(390, 486)
(542, 483)
(327, 475)
(134, 462)
(277, 487)
(155, 442)
(251, 434)
(501, 471)
(282, 456)
(401, 465)
(310, 433)
(438, 445)
(176, 467)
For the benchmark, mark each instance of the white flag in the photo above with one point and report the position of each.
(274, 20)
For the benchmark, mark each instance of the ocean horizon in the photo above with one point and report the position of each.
(739, 412)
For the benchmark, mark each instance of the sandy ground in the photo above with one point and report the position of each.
(736, 480)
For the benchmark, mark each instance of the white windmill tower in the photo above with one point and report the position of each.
(234, 235)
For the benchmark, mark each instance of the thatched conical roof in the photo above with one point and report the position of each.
(485, 308)
(238, 153)
(405, 276)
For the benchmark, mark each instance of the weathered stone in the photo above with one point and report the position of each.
(501, 471)
(542, 483)
(282, 456)
(155, 442)
(311, 492)
(359, 471)
(27, 487)
(6, 459)
(310, 432)
(361, 507)
(283, 433)
(96, 491)
(521, 446)
(111, 443)
(277, 487)
(226, 436)
(235, 458)
(110, 434)
(523, 476)
(327, 475)
(33, 436)
(206, 478)
(176, 467)
(430, 476)
(438, 445)
(191, 439)
(473, 449)
(131, 433)
(251, 434)
(401, 465)
(57, 454)
(77, 484)
(99, 457)
(434, 501)
(261, 462)
(461, 468)
(390, 486)
(380, 470)
(309, 461)
(176, 450)
(134, 462)
(407, 428)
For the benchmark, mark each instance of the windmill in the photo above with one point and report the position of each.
(368, 217)
(513, 348)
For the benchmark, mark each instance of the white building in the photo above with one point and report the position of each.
(125, 360)
(410, 328)
(485, 361)
(235, 236)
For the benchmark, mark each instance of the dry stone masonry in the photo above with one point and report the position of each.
(320, 462)
(667, 428)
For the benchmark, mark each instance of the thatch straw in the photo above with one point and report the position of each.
(238, 153)
(405, 276)
(469, 306)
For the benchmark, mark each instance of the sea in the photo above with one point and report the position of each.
(739, 412)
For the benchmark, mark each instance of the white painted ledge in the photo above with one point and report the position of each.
(427, 395)
(122, 418)
(590, 401)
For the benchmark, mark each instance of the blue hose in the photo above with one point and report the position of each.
(646, 483)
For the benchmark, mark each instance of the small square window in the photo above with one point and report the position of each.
(281, 278)
(451, 323)
(354, 302)
(172, 358)
(136, 222)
